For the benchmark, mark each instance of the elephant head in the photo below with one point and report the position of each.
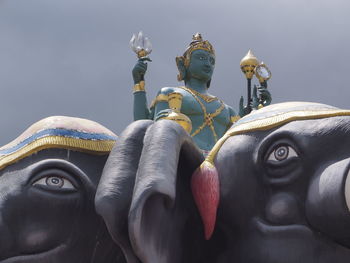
(283, 185)
(284, 192)
(48, 180)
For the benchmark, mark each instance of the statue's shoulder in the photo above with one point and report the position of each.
(167, 90)
(162, 96)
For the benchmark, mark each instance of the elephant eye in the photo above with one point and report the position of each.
(282, 162)
(55, 182)
(281, 153)
(55, 179)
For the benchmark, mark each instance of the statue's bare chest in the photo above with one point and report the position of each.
(198, 109)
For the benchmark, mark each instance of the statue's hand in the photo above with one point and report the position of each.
(255, 99)
(243, 110)
(139, 70)
(162, 114)
(265, 96)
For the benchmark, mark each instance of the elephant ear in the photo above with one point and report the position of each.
(114, 192)
(164, 223)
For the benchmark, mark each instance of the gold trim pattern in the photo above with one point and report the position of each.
(248, 64)
(142, 53)
(91, 146)
(207, 117)
(197, 43)
(139, 87)
(235, 118)
(175, 103)
(159, 98)
(206, 98)
(273, 122)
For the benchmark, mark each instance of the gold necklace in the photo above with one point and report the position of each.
(207, 117)
(206, 98)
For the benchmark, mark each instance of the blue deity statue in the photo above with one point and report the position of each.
(203, 115)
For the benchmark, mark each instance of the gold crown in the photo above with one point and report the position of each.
(197, 43)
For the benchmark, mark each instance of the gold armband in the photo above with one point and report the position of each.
(175, 102)
(139, 86)
(160, 97)
(235, 118)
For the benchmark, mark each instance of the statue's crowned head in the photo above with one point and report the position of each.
(197, 43)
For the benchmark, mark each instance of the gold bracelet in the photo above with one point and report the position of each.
(139, 87)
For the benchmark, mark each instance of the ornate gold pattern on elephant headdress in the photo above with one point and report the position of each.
(277, 115)
(59, 132)
(197, 43)
(205, 180)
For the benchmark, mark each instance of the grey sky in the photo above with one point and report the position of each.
(72, 57)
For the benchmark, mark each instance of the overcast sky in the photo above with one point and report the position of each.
(72, 57)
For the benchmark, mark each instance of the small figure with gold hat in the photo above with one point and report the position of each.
(204, 116)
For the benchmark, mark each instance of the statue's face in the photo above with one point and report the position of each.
(201, 65)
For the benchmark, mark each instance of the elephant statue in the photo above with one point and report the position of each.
(48, 179)
(275, 188)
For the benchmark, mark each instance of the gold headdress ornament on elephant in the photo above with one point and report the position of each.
(59, 132)
(205, 180)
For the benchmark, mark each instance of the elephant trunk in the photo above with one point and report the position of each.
(328, 202)
(163, 222)
(115, 189)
